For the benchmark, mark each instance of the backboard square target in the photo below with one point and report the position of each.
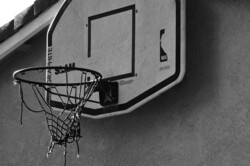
(111, 41)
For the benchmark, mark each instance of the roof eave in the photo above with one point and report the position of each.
(28, 31)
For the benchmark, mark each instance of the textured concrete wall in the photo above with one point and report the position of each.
(204, 121)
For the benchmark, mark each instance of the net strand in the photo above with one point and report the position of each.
(23, 103)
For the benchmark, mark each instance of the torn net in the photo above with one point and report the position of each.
(63, 125)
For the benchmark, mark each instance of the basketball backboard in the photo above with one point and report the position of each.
(139, 44)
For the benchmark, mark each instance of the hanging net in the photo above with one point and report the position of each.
(72, 91)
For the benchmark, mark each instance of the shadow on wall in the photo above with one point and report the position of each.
(201, 53)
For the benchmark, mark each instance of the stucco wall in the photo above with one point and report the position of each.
(204, 121)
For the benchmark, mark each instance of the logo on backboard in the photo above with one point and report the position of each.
(163, 54)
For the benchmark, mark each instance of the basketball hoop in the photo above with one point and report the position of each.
(63, 125)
